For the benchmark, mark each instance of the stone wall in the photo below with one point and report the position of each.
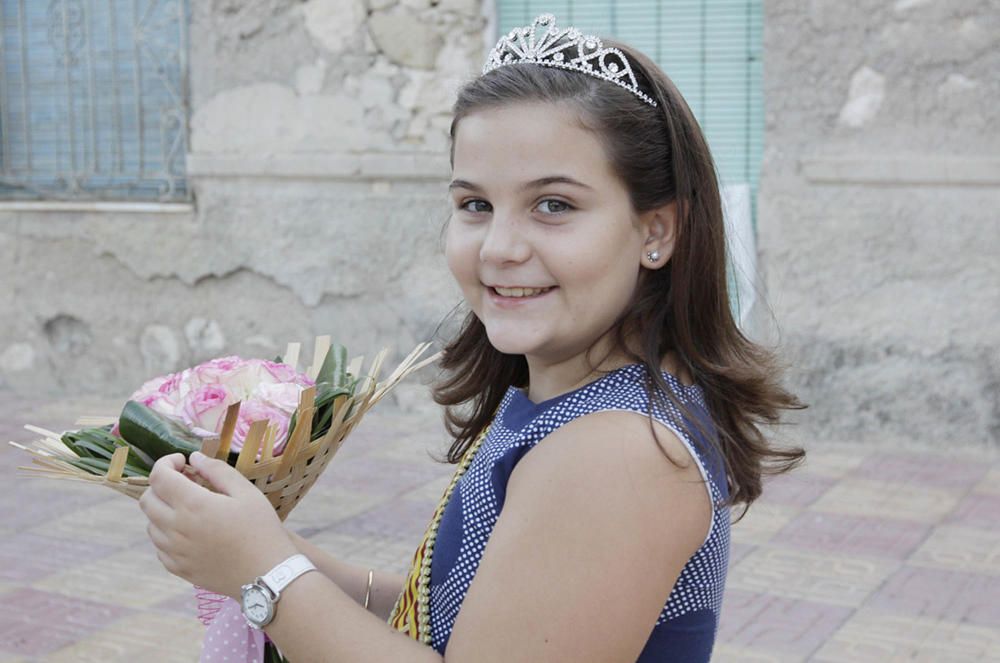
(318, 161)
(879, 215)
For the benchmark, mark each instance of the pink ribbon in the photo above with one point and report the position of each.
(228, 638)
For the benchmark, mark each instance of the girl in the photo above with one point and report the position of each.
(605, 408)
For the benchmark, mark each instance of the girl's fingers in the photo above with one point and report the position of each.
(170, 483)
(157, 536)
(173, 462)
(158, 511)
(167, 562)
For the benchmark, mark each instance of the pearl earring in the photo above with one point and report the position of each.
(653, 256)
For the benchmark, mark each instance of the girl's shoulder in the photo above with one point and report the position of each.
(521, 424)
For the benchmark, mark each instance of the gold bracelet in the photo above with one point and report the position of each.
(368, 592)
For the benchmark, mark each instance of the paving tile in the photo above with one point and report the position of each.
(27, 502)
(115, 522)
(834, 464)
(146, 637)
(380, 476)
(389, 555)
(778, 625)
(958, 596)
(323, 507)
(834, 579)
(961, 548)
(761, 522)
(874, 637)
(819, 543)
(183, 603)
(65, 619)
(402, 520)
(133, 578)
(726, 653)
(865, 497)
(835, 533)
(26, 557)
(432, 491)
(797, 489)
(977, 510)
(990, 484)
(921, 470)
(738, 551)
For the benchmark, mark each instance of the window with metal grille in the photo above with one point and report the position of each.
(93, 100)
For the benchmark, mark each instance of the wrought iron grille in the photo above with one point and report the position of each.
(93, 99)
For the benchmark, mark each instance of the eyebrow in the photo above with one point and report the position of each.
(534, 184)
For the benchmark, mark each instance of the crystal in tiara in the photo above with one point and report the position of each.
(542, 43)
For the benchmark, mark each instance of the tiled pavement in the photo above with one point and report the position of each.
(868, 553)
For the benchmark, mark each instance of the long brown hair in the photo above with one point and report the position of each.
(661, 156)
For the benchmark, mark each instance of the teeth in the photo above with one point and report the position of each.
(520, 292)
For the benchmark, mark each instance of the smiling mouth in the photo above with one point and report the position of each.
(518, 292)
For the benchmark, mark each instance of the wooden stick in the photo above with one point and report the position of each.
(354, 368)
(320, 351)
(228, 427)
(117, 465)
(251, 445)
(43, 432)
(291, 356)
(300, 436)
(95, 421)
(210, 446)
(269, 437)
(307, 398)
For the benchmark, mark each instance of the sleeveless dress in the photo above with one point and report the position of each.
(686, 628)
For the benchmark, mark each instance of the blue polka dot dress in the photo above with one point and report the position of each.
(685, 630)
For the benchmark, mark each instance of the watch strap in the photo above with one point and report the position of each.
(284, 573)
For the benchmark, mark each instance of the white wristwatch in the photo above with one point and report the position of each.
(260, 596)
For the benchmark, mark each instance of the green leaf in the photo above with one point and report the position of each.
(100, 443)
(154, 434)
(334, 368)
(100, 466)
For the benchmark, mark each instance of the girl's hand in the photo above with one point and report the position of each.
(217, 540)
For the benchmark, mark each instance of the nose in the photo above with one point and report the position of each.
(504, 241)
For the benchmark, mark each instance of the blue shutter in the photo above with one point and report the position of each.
(709, 48)
(93, 99)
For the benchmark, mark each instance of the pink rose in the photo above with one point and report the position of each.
(204, 409)
(218, 370)
(171, 383)
(283, 373)
(149, 387)
(255, 410)
(285, 396)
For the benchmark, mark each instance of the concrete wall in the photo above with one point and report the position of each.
(318, 134)
(879, 215)
(318, 137)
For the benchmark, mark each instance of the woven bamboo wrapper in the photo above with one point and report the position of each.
(284, 479)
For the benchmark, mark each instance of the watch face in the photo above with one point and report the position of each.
(257, 606)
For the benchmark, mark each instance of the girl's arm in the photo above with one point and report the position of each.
(353, 579)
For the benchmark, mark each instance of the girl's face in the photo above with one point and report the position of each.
(542, 240)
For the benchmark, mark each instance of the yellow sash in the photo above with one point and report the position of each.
(411, 614)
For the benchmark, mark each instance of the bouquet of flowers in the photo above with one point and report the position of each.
(277, 426)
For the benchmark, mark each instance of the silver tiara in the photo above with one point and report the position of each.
(542, 43)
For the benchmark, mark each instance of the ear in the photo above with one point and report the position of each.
(659, 226)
